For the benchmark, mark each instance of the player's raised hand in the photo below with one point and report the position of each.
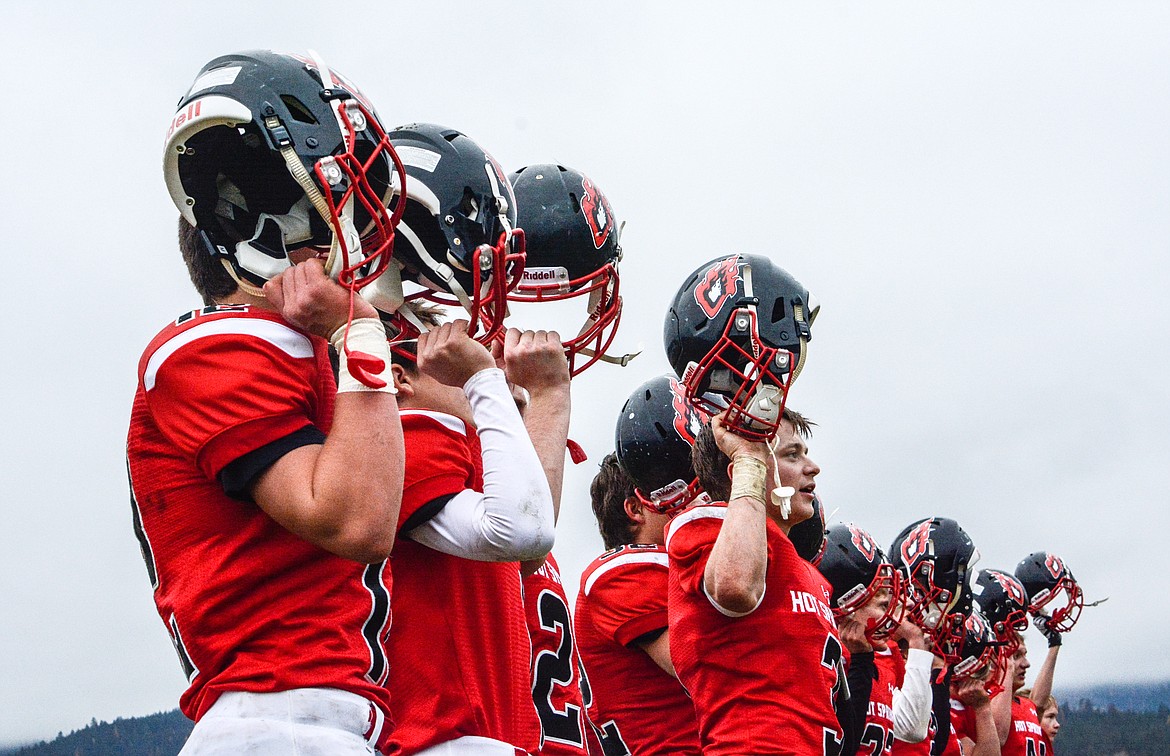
(450, 356)
(734, 445)
(535, 360)
(853, 636)
(309, 299)
(971, 692)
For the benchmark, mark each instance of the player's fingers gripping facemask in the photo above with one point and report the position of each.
(269, 154)
(859, 573)
(458, 238)
(737, 334)
(654, 435)
(936, 557)
(574, 245)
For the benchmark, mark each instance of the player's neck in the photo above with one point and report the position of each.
(240, 297)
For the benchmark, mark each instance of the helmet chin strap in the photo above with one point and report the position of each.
(245, 286)
(780, 495)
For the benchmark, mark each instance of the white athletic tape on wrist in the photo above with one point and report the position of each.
(366, 335)
(748, 476)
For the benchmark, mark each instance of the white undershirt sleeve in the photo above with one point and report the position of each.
(512, 520)
(912, 701)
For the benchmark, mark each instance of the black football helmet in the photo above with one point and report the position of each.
(857, 570)
(270, 153)
(654, 436)
(808, 536)
(458, 237)
(936, 557)
(573, 243)
(976, 652)
(1004, 604)
(737, 334)
(1052, 590)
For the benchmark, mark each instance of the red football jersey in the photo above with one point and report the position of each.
(878, 737)
(1026, 737)
(962, 726)
(249, 606)
(764, 682)
(635, 703)
(556, 666)
(460, 653)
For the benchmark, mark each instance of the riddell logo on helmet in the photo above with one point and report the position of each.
(718, 285)
(545, 275)
(597, 213)
(189, 113)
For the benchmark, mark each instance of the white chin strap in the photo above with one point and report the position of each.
(780, 495)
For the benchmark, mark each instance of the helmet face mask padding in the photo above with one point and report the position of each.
(264, 159)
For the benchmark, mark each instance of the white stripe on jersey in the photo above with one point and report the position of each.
(450, 422)
(652, 557)
(291, 342)
(690, 515)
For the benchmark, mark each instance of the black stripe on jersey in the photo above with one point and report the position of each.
(377, 624)
(426, 512)
(237, 476)
(140, 533)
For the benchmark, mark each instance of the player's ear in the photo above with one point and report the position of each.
(403, 381)
(634, 510)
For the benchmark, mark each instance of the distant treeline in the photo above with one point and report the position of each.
(1088, 729)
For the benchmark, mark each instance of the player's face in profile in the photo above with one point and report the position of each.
(794, 468)
(1020, 667)
(1049, 722)
(873, 610)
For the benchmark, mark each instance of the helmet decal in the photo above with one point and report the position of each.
(688, 421)
(864, 543)
(718, 285)
(916, 543)
(1055, 566)
(595, 207)
(1011, 587)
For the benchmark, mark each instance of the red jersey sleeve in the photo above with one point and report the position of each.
(440, 460)
(689, 540)
(215, 416)
(628, 595)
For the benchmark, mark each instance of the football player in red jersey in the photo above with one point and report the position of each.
(264, 490)
(867, 600)
(1016, 718)
(638, 705)
(752, 636)
(476, 502)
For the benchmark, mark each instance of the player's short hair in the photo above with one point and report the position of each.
(711, 464)
(211, 279)
(609, 490)
(430, 315)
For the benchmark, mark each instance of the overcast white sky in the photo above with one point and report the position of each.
(979, 196)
